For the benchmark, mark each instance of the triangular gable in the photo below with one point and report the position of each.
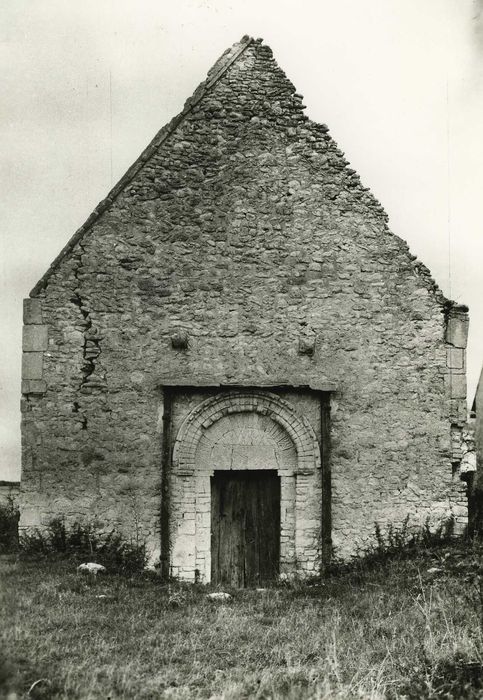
(219, 69)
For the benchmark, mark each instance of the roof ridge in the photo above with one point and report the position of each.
(219, 68)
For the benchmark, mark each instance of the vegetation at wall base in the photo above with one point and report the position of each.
(9, 517)
(399, 623)
(82, 542)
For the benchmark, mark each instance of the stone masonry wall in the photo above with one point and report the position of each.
(240, 249)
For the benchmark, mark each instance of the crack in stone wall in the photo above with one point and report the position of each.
(91, 345)
(91, 348)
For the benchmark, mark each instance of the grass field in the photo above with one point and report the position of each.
(384, 629)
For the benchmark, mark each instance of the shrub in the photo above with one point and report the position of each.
(399, 540)
(9, 516)
(85, 542)
(396, 543)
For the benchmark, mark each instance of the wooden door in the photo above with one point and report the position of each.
(245, 527)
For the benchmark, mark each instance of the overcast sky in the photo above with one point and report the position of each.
(86, 85)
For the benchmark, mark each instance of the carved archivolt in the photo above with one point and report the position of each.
(195, 426)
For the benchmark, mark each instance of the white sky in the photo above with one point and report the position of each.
(85, 86)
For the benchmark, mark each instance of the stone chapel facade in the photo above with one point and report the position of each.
(234, 358)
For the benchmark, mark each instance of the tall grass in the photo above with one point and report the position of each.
(406, 625)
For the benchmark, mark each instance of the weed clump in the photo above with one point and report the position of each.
(85, 542)
(402, 540)
(9, 517)
(394, 544)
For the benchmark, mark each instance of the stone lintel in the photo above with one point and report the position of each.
(35, 338)
(32, 311)
(274, 383)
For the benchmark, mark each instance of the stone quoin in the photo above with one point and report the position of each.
(237, 306)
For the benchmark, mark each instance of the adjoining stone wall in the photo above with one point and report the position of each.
(470, 443)
(478, 430)
(462, 439)
(241, 249)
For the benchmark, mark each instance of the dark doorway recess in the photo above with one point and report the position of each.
(245, 527)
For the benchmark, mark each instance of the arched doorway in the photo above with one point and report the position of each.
(245, 491)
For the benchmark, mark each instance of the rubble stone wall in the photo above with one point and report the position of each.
(241, 249)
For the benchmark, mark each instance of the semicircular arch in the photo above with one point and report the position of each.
(211, 410)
